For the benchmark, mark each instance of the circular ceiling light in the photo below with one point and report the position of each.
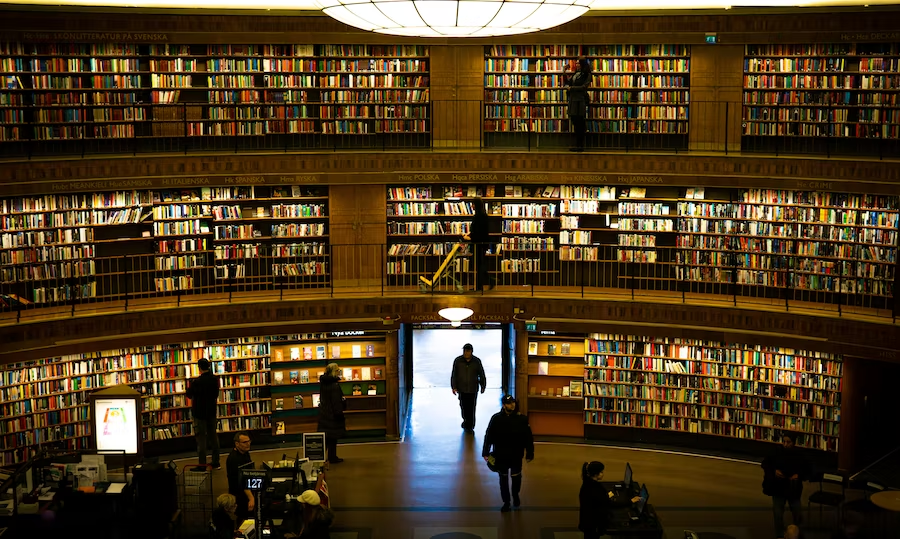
(456, 315)
(454, 18)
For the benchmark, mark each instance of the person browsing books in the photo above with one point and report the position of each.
(204, 395)
(784, 474)
(595, 502)
(479, 236)
(578, 84)
(508, 438)
(466, 376)
(331, 410)
(240, 456)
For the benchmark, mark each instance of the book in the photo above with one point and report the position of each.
(315, 400)
(532, 390)
(576, 388)
(551, 349)
(543, 367)
(378, 373)
(279, 428)
(320, 352)
(373, 389)
(295, 353)
(357, 350)
(357, 375)
(370, 350)
(489, 192)
(532, 348)
(566, 348)
(279, 354)
(357, 390)
(565, 391)
(304, 377)
(366, 373)
(347, 374)
(335, 351)
(279, 404)
(307, 352)
(298, 401)
(279, 377)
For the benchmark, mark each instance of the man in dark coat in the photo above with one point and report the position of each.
(509, 435)
(785, 472)
(331, 410)
(204, 395)
(465, 378)
(480, 237)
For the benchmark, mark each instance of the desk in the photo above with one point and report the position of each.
(621, 525)
(887, 499)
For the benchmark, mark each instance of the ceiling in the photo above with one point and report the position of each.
(598, 7)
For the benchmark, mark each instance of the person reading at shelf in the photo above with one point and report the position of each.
(479, 236)
(595, 502)
(331, 410)
(577, 84)
(204, 395)
(240, 456)
(784, 474)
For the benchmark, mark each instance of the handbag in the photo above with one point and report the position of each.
(492, 462)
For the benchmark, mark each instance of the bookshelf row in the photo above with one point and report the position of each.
(809, 240)
(701, 387)
(46, 401)
(845, 91)
(53, 92)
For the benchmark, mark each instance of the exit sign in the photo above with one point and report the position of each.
(531, 325)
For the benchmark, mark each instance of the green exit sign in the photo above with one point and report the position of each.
(531, 325)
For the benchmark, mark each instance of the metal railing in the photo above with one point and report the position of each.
(699, 126)
(784, 282)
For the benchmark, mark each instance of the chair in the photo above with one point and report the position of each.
(830, 497)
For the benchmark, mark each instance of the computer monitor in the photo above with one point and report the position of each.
(644, 495)
(628, 473)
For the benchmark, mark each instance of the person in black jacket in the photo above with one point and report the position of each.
(331, 410)
(204, 394)
(479, 236)
(578, 84)
(595, 502)
(509, 435)
(466, 376)
(784, 474)
(222, 523)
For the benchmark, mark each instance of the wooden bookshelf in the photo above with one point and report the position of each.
(297, 367)
(713, 388)
(47, 400)
(824, 93)
(639, 98)
(529, 234)
(554, 363)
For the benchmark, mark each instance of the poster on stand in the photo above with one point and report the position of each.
(314, 446)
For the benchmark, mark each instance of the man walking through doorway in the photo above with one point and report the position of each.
(509, 435)
(204, 395)
(467, 375)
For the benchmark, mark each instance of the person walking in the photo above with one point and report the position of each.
(465, 378)
(331, 410)
(785, 471)
(578, 84)
(203, 392)
(595, 502)
(507, 438)
(479, 236)
(240, 456)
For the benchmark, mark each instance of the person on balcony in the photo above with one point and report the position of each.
(578, 84)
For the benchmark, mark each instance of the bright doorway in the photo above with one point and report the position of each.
(435, 349)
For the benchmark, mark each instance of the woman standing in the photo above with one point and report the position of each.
(595, 502)
(578, 84)
(331, 410)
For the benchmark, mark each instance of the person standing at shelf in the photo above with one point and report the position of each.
(578, 84)
(595, 502)
(785, 471)
(204, 395)
(465, 378)
(508, 438)
(240, 456)
(479, 236)
(331, 410)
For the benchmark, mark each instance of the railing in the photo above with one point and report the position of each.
(699, 126)
(136, 282)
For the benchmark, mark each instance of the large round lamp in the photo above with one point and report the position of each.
(455, 315)
(454, 18)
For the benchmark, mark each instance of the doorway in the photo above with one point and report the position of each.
(435, 409)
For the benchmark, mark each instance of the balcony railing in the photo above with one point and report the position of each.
(698, 126)
(134, 282)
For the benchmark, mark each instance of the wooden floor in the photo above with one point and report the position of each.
(436, 478)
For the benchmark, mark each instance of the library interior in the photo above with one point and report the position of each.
(696, 292)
